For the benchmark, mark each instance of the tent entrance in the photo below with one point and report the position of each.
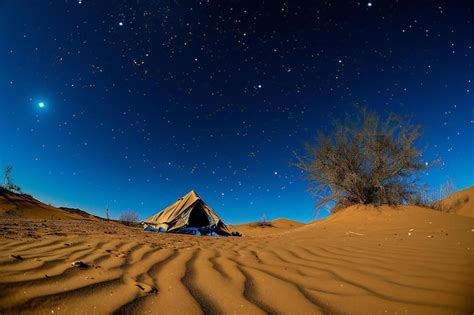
(198, 217)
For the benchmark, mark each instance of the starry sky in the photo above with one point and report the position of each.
(131, 104)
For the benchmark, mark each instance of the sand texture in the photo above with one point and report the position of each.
(266, 228)
(360, 261)
(461, 202)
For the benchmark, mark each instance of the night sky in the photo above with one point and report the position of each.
(131, 104)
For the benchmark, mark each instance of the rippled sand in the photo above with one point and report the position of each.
(360, 261)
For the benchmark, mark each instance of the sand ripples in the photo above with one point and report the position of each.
(253, 275)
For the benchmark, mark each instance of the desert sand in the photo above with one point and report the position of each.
(15, 206)
(461, 202)
(267, 228)
(362, 260)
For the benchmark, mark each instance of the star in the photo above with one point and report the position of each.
(369, 4)
(41, 105)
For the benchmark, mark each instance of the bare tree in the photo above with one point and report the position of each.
(366, 160)
(8, 180)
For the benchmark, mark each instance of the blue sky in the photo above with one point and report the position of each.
(144, 102)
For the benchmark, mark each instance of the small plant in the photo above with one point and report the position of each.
(447, 189)
(129, 217)
(434, 199)
(263, 222)
(426, 199)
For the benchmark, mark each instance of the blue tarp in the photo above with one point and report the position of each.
(198, 231)
(152, 229)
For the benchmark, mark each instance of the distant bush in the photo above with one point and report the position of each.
(433, 198)
(447, 189)
(426, 199)
(263, 222)
(365, 160)
(128, 217)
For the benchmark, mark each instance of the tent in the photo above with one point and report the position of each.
(188, 215)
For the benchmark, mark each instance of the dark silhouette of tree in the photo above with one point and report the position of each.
(8, 180)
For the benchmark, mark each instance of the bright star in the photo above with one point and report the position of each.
(369, 4)
(41, 104)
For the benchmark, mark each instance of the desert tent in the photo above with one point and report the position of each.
(189, 215)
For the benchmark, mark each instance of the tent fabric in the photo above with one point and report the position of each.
(188, 211)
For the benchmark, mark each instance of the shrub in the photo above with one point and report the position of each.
(435, 199)
(129, 217)
(263, 222)
(447, 189)
(426, 199)
(366, 160)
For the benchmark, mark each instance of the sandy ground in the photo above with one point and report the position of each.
(360, 261)
(14, 206)
(276, 226)
(461, 202)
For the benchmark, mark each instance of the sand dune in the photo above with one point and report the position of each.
(359, 261)
(270, 227)
(461, 202)
(14, 205)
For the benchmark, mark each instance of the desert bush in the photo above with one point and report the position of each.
(424, 198)
(8, 183)
(366, 160)
(263, 222)
(447, 189)
(433, 199)
(128, 217)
